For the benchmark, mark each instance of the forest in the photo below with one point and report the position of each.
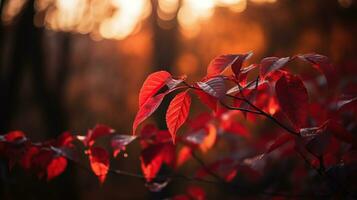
(178, 99)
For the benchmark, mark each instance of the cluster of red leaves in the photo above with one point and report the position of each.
(325, 139)
(45, 159)
(49, 159)
(319, 129)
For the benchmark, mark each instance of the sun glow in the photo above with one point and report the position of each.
(117, 19)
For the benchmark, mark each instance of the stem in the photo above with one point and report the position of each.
(240, 109)
(261, 112)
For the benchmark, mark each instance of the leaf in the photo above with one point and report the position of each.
(26, 159)
(210, 139)
(214, 87)
(220, 63)
(99, 162)
(196, 193)
(323, 64)
(154, 156)
(147, 109)
(207, 99)
(98, 131)
(237, 65)
(119, 142)
(280, 141)
(177, 112)
(17, 136)
(56, 167)
(270, 64)
(65, 140)
(153, 83)
(293, 99)
(200, 121)
(183, 155)
(231, 126)
(172, 83)
(341, 133)
(40, 161)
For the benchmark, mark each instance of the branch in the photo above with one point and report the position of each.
(261, 112)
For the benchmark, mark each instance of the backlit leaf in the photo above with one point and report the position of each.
(56, 167)
(293, 99)
(147, 109)
(207, 99)
(154, 156)
(98, 131)
(280, 141)
(119, 142)
(99, 162)
(323, 64)
(177, 112)
(237, 65)
(153, 83)
(214, 87)
(220, 63)
(183, 155)
(13, 136)
(270, 64)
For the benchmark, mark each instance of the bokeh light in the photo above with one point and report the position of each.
(117, 19)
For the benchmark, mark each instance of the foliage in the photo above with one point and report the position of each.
(313, 133)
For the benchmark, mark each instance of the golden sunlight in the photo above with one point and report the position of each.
(117, 19)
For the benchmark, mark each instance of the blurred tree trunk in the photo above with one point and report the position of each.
(165, 48)
(164, 54)
(28, 56)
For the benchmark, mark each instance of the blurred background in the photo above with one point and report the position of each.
(69, 64)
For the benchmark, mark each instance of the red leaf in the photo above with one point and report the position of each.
(65, 140)
(341, 133)
(154, 156)
(56, 167)
(177, 112)
(281, 140)
(153, 83)
(237, 65)
(214, 87)
(220, 63)
(147, 109)
(207, 99)
(243, 75)
(293, 99)
(231, 126)
(183, 155)
(200, 121)
(210, 139)
(196, 193)
(99, 162)
(41, 160)
(270, 64)
(98, 131)
(119, 142)
(323, 64)
(15, 136)
(26, 160)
